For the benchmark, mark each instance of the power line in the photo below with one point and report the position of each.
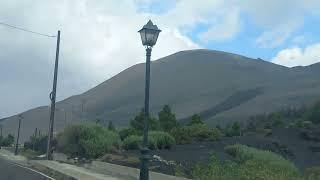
(25, 30)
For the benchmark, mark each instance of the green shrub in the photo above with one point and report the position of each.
(203, 132)
(234, 130)
(138, 123)
(132, 142)
(198, 132)
(263, 160)
(216, 170)
(252, 164)
(156, 140)
(124, 133)
(313, 114)
(312, 173)
(161, 140)
(195, 119)
(181, 135)
(264, 131)
(111, 127)
(87, 140)
(278, 123)
(215, 134)
(303, 124)
(8, 141)
(38, 144)
(167, 119)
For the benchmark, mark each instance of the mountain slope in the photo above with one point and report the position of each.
(222, 87)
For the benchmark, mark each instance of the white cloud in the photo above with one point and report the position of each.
(220, 19)
(98, 40)
(297, 56)
(276, 37)
(279, 18)
(226, 29)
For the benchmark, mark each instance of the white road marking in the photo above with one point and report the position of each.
(33, 171)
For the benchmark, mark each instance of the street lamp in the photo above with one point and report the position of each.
(149, 35)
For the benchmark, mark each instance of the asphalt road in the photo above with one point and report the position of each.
(10, 171)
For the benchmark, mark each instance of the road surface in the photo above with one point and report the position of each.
(10, 171)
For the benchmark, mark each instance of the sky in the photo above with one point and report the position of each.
(99, 39)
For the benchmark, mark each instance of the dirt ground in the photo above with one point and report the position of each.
(287, 142)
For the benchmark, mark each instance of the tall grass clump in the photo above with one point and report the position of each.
(249, 163)
(132, 142)
(161, 140)
(156, 140)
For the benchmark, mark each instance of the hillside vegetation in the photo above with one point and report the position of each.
(221, 87)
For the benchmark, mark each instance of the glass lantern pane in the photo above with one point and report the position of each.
(150, 37)
(155, 37)
(143, 36)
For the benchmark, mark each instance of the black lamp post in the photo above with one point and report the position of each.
(149, 35)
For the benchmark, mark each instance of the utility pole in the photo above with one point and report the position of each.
(16, 150)
(36, 132)
(65, 118)
(53, 100)
(35, 137)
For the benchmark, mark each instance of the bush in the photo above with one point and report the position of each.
(198, 132)
(156, 140)
(138, 123)
(111, 127)
(203, 132)
(278, 123)
(8, 141)
(303, 124)
(195, 119)
(132, 142)
(124, 133)
(312, 173)
(167, 119)
(264, 161)
(313, 114)
(87, 140)
(215, 134)
(181, 135)
(234, 130)
(161, 140)
(38, 144)
(255, 164)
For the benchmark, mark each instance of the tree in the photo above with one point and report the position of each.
(233, 130)
(111, 126)
(138, 123)
(236, 128)
(195, 119)
(313, 114)
(167, 119)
